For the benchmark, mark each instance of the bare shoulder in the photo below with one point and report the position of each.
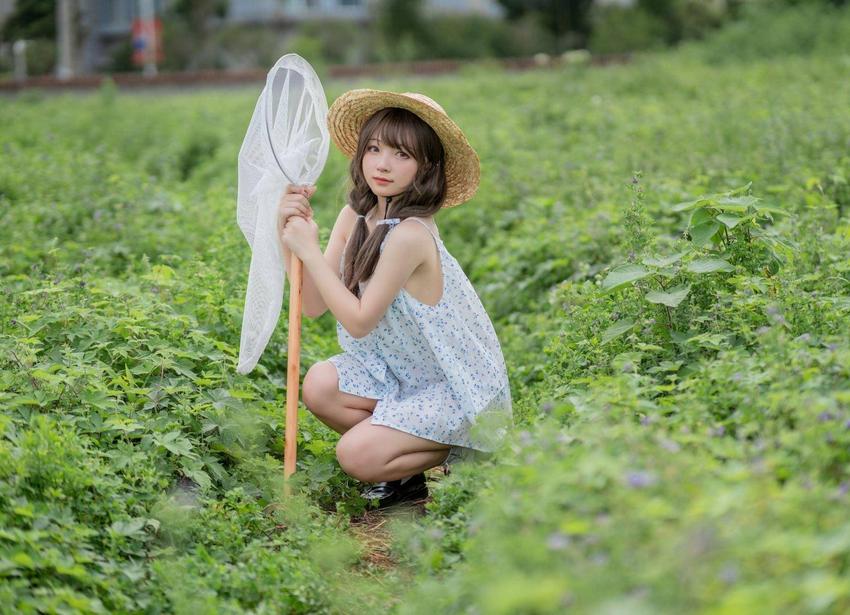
(411, 236)
(345, 221)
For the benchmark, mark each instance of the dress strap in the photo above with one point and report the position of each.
(393, 222)
(422, 222)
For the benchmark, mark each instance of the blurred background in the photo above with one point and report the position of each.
(72, 38)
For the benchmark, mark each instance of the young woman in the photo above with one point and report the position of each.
(422, 379)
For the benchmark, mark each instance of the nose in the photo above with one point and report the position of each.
(384, 162)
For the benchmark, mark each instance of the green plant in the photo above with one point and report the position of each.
(723, 230)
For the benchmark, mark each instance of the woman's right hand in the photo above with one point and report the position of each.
(293, 202)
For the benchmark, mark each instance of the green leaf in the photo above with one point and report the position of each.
(741, 189)
(670, 297)
(709, 265)
(23, 560)
(686, 205)
(736, 203)
(200, 477)
(134, 572)
(624, 274)
(701, 216)
(129, 527)
(177, 444)
(664, 261)
(702, 233)
(681, 337)
(617, 329)
(730, 220)
(771, 209)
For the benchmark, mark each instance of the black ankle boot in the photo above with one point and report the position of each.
(391, 492)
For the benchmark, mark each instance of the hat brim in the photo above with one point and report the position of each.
(351, 110)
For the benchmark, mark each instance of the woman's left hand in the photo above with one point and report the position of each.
(301, 236)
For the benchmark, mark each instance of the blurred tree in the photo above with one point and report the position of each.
(685, 19)
(567, 20)
(402, 29)
(198, 13)
(187, 27)
(30, 19)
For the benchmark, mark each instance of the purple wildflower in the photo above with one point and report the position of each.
(729, 573)
(669, 445)
(639, 479)
(599, 559)
(558, 541)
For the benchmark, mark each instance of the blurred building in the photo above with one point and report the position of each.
(252, 11)
(6, 7)
(107, 23)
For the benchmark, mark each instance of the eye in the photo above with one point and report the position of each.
(369, 148)
(403, 154)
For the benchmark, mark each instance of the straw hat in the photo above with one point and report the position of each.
(351, 110)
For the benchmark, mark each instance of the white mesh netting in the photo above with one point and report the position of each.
(286, 143)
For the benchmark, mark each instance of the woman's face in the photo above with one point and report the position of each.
(382, 161)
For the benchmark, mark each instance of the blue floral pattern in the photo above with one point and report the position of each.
(437, 371)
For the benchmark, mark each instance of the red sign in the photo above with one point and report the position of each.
(147, 41)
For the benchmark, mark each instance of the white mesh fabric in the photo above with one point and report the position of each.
(286, 143)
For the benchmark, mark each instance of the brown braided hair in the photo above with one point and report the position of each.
(404, 130)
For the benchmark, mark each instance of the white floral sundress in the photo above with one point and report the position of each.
(437, 371)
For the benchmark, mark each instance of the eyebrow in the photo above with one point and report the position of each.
(401, 149)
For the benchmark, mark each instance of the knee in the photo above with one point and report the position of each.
(357, 459)
(320, 384)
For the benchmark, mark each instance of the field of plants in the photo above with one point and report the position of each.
(663, 249)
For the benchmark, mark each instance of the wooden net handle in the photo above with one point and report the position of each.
(292, 367)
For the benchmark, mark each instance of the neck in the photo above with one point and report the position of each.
(381, 208)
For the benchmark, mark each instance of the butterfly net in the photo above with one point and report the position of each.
(286, 143)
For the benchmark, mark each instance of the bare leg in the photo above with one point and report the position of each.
(375, 453)
(338, 410)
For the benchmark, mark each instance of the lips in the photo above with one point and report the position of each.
(381, 179)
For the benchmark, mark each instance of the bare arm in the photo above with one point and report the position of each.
(405, 250)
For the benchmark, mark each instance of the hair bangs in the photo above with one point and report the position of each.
(396, 128)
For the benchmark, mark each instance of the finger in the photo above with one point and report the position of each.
(294, 189)
(299, 199)
(295, 209)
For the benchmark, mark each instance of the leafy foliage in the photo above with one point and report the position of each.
(677, 350)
